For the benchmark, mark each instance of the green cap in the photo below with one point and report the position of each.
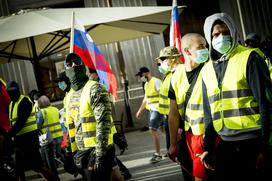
(169, 52)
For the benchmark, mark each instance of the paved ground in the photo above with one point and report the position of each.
(136, 158)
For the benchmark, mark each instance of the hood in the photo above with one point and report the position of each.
(233, 31)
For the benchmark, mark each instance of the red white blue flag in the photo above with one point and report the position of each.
(85, 47)
(175, 38)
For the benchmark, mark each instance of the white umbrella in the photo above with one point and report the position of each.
(35, 34)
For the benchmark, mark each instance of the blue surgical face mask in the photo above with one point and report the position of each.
(201, 55)
(222, 43)
(62, 85)
(164, 68)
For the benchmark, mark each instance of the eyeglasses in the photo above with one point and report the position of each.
(75, 62)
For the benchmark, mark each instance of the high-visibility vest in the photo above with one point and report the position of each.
(53, 122)
(232, 103)
(164, 101)
(87, 119)
(30, 124)
(151, 94)
(267, 60)
(194, 113)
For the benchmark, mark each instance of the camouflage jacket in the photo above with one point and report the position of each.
(101, 107)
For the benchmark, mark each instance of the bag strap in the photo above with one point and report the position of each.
(190, 90)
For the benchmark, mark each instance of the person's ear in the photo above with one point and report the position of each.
(186, 50)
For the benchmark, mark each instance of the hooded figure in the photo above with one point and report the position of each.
(236, 108)
(226, 19)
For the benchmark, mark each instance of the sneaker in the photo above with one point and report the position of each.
(155, 158)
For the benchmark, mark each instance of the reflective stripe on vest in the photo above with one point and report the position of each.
(232, 104)
(87, 119)
(53, 124)
(164, 101)
(151, 94)
(30, 124)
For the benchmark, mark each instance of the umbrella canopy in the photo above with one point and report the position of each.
(35, 34)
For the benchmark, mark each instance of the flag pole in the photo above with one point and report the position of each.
(72, 32)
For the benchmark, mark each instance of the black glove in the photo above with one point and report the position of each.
(97, 164)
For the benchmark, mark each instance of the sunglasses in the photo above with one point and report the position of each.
(75, 62)
(163, 58)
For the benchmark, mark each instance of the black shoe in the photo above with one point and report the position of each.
(145, 128)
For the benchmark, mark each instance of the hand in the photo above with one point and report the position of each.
(138, 114)
(204, 158)
(97, 164)
(180, 132)
(172, 152)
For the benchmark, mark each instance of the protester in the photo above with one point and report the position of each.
(167, 63)
(25, 133)
(185, 101)
(235, 84)
(88, 114)
(48, 123)
(151, 103)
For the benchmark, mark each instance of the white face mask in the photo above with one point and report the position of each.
(201, 55)
(164, 68)
(222, 43)
(143, 78)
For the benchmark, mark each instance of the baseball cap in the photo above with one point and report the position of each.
(142, 70)
(169, 51)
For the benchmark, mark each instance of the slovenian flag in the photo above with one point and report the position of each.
(175, 38)
(83, 45)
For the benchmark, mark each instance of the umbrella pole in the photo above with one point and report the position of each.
(35, 62)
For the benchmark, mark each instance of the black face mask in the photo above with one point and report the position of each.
(77, 76)
(14, 94)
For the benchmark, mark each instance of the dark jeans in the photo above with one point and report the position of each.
(103, 174)
(236, 160)
(48, 156)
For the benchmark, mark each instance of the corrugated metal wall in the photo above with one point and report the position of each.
(255, 16)
(21, 72)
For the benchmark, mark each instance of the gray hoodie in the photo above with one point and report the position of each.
(209, 22)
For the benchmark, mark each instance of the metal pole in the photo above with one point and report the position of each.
(72, 32)
(241, 19)
(35, 62)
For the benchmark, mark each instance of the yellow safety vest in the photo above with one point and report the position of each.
(30, 124)
(267, 61)
(3, 82)
(53, 124)
(151, 94)
(87, 119)
(194, 110)
(232, 104)
(164, 101)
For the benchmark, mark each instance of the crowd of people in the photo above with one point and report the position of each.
(214, 109)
